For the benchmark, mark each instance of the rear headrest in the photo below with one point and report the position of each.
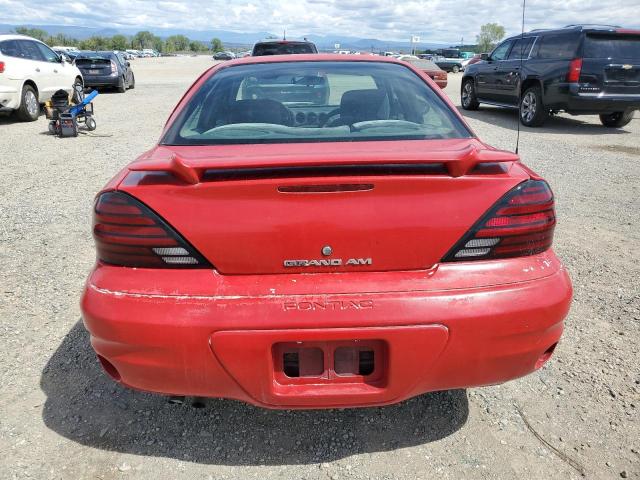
(363, 105)
(258, 111)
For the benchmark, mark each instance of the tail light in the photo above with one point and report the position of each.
(130, 234)
(520, 224)
(1, 67)
(575, 68)
(114, 68)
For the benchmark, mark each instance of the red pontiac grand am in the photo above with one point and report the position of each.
(317, 231)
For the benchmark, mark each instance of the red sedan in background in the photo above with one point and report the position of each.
(296, 250)
(427, 66)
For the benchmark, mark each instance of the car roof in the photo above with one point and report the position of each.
(275, 40)
(579, 28)
(17, 36)
(312, 57)
(95, 52)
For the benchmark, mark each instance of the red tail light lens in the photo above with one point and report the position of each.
(130, 234)
(114, 68)
(575, 68)
(1, 67)
(520, 224)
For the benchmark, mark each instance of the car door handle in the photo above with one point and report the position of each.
(55, 71)
(37, 69)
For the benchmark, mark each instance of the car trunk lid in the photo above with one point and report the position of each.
(94, 66)
(611, 63)
(353, 206)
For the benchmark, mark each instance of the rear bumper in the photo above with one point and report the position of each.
(223, 336)
(101, 80)
(10, 95)
(596, 103)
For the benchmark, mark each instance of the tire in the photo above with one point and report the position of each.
(29, 110)
(532, 111)
(468, 95)
(617, 119)
(455, 69)
(133, 82)
(122, 87)
(90, 123)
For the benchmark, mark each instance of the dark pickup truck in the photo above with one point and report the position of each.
(579, 69)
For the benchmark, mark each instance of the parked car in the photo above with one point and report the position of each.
(434, 71)
(30, 73)
(283, 47)
(453, 65)
(106, 69)
(69, 55)
(383, 252)
(224, 56)
(125, 54)
(579, 69)
(471, 60)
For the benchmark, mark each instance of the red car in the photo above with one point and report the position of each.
(427, 66)
(351, 249)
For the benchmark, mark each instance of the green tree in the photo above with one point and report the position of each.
(158, 44)
(490, 35)
(177, 43)
(96, 43)
(33, 32)
(142, 40)
(196, 46)
(216, 45)
(119, 42)
(62, 40)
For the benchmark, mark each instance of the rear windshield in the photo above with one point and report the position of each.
(612, 46)
(423, 64)
(94, 57)
(312, 102)
(284, 48)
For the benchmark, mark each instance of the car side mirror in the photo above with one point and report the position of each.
(484, 56)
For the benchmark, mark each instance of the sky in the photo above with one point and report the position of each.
(433, 20)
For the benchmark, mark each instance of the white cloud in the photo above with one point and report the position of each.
(433, 20)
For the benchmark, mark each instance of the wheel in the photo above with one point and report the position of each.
(78, 91)
(469, 100)
(122, 86)
(132, 85)
(29, 110)
(532, 110)
(52, 127)
(455, 69)
(617, 119)
(90, 123)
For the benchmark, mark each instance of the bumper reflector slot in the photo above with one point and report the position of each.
(303, 362)
(472, 252)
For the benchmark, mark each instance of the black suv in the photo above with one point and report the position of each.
(282, 47)
(579, 69)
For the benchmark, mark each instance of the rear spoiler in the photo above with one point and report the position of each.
(452, 163)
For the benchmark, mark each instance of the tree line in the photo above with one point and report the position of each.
(139, 41)
(489, 36)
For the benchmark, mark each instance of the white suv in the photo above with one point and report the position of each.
(30, 73)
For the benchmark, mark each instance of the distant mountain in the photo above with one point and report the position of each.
(324, 42)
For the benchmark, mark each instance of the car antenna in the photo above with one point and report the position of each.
(284, 34)
(524, 4)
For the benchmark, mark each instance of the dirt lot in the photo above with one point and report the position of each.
(61, 417)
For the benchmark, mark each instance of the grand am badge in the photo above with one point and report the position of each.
(328, 262)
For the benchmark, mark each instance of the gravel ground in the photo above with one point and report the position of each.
(60, 417)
